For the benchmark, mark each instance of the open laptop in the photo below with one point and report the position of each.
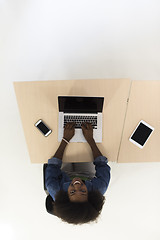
(80, 109)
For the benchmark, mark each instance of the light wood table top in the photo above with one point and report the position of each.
(144, 104)
(39, 100)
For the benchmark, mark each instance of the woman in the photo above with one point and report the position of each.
(77, 188)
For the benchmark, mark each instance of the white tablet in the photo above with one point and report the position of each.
(141, 134)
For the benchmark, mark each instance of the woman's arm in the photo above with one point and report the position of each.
(95, 150)
(53, 170)
(60, 150)
(87, 130)
(69, 132)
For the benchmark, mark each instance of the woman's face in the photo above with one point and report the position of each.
(77, 191)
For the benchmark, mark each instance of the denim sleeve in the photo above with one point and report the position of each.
(52, 176)
(101, 181)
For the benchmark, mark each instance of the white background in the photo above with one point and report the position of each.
(70, 39)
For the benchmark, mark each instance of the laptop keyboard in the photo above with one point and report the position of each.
(80, 119)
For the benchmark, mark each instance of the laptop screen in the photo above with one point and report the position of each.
(69, 104)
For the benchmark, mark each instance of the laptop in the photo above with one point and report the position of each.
(80, 109)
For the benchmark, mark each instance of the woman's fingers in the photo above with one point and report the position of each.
(70, 125)
(73, 125)
(86, 125)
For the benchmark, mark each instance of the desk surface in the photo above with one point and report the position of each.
(38, 100)
(144, 104)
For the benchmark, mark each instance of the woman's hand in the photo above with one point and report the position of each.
(69, 131)
(87, 130)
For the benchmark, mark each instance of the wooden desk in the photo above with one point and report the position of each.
(144, 104)
(38, 100)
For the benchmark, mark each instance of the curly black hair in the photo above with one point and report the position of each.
(78, 212)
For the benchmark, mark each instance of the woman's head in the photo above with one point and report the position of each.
(77, 191)
(78, 212)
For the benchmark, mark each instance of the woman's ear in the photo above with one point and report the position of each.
(96, 199)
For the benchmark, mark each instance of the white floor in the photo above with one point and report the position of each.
(54, 40)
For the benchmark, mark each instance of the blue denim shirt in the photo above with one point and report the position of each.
(56, 179)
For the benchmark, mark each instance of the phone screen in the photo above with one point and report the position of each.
(43, 128)
(141, 134)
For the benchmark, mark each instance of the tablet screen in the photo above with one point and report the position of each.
(141, 134)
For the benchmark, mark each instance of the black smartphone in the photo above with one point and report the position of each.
(43, 128)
